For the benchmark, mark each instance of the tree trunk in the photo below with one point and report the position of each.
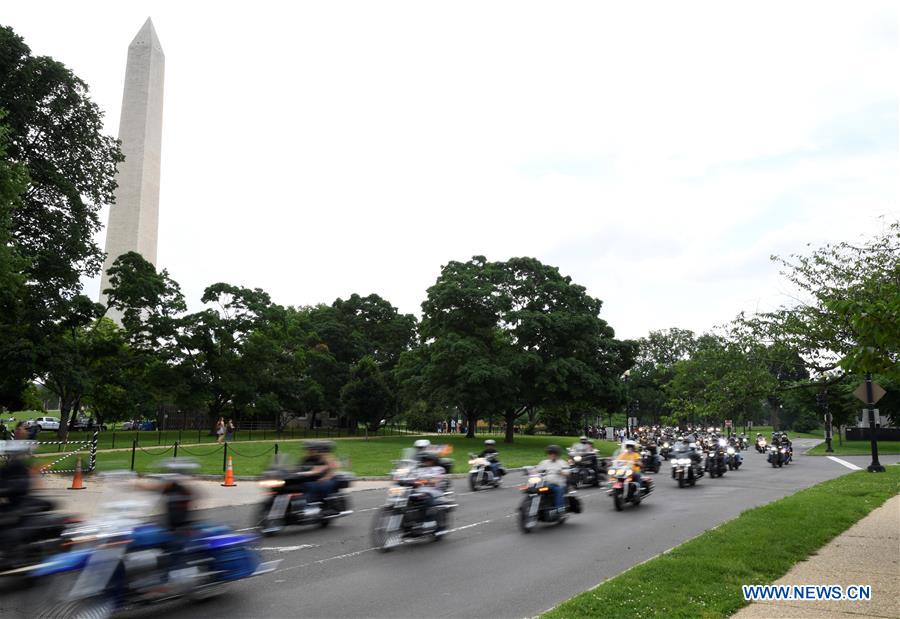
(65, 408)
(773, 406)
(471, 422)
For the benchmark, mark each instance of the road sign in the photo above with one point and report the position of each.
(728, 423)
(877, 392)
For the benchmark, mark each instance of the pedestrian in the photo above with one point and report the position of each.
(229, 431)
(220, 431)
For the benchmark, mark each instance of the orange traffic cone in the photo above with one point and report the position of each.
(77, 481)
(229, 475)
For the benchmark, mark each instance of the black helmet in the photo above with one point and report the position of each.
(319, 446)
(427, 457)
(554, 449)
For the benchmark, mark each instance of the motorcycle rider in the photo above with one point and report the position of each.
(492, 455)
(318, 470)
(585, 448)
(630, 454)
(179, 502)
(556, 471)
(15, 483)
(431, 474)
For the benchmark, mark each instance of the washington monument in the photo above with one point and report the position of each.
(134, 218)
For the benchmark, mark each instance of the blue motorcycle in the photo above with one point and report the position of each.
(144, 564)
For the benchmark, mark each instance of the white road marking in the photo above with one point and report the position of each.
(849, 465)
(469, 526)
(285, 548)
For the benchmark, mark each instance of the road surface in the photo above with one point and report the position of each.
(486, 567)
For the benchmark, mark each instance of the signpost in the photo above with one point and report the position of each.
(870, 392)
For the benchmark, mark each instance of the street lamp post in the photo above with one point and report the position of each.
(875, 467)
(823, 404)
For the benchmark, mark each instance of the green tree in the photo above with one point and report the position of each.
(54, 136)
(367, 398)
(847, 308)
(16, 347)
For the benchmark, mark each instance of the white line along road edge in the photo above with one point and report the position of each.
(849, 465)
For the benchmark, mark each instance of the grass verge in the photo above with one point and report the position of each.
(703, 577)
(366, 458)
(855, 448)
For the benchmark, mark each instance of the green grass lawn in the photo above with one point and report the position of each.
(703, 577)
(120, 439)
(855, 448)
(365, 458)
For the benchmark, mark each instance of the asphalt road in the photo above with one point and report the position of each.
(486, 567)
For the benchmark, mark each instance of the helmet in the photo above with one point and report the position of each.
(553, 449)
(319, 446)
(628, 444)
(584, 439)
(422, 443)
(490, 441)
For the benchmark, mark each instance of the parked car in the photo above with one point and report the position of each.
(86, 424)
(46, 423)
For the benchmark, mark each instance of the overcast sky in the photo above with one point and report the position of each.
(658, 153)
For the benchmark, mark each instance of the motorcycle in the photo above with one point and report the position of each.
(406, 515)
(623, 489)
(733, 459)
(761, 445)
(778, 456)
(685, 469)
(665, 451)
(715, 461)
(285, 503)
(128, 563)
(583, 470)
(538, 504)
(481, 475)
(34, 537)
(650, 461)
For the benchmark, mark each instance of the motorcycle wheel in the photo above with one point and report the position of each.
(596, 482)
(473, 482)
(780, 464)
(618, 502)
(681, 482)
(693, 481)
(526, 522)
(444, 518)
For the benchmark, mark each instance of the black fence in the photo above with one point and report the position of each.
(864, 434)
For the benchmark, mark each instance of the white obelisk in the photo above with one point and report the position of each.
(134, 218)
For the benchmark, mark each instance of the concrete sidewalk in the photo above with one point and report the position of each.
(98, 491)
(868, 553)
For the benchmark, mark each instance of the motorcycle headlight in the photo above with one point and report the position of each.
(783, 450)
(396, 491)
(272, 483)
(665, 444)
(534, 480)
(472, 462)
(611, 472)
(401, 472)
(620, 472)
(731, 451)
(577, 458)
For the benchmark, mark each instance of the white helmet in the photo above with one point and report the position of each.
(629, 443)
(422, 443)
(490, 441)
